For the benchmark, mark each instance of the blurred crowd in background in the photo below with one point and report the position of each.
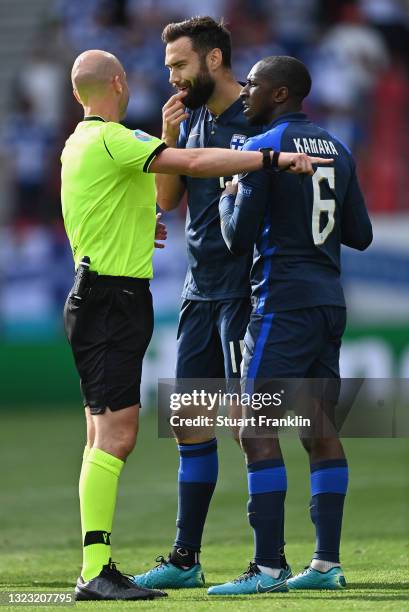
(358, 55)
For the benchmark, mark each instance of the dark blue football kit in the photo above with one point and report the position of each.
(294, 226)
(216, 293)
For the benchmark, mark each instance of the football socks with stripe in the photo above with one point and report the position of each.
(197, 477)
(98, 492)
(267, 485)
(329, 483)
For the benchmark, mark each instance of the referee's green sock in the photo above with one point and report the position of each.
(83, 470)
(84, 461)
(98, 491)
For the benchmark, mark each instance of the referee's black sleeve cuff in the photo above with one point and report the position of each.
(154, 153)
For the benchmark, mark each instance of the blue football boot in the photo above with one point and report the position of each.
(252, 582)
(287, 571)
(172, 575)
(310, 578)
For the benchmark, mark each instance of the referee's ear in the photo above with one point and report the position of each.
(117, 84)
(77, 96)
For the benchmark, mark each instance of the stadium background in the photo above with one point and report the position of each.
(358, 54)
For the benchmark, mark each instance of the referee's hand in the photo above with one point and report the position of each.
(300, 163)
(161, 233)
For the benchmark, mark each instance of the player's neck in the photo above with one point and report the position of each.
(290, 107)
(97, 110)
(225, 93)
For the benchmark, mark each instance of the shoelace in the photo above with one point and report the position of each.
(161, 561)
(116, 576)
(250, 572)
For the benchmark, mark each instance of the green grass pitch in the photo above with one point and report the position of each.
(40, 456)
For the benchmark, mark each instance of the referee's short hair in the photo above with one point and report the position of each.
(286, 71)
(205, 33)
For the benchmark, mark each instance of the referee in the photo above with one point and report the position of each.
(108, 204)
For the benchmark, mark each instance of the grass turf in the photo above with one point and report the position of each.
(40, 456)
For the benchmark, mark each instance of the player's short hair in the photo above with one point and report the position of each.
(286, 71)
(205, 33)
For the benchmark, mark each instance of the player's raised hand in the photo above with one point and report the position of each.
(173, 113)
(161, 232)
(300, 163)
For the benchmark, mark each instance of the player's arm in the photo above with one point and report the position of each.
(356, 227)
(170, 188)
(242, 214)
(206, 163)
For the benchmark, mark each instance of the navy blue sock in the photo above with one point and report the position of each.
(267, 483)
(329, 483)
(283, 560)
(197, 477)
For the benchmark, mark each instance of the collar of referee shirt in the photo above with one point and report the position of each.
(94, 118)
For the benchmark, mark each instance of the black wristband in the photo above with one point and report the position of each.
(266, 157)
(274, 161)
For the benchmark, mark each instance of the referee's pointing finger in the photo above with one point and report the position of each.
(321, 160)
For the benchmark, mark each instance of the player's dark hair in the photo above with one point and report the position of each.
(285, 71)
(205, 33)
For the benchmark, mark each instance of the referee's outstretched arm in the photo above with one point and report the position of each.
(204, 163)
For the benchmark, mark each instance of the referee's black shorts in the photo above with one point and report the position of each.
(109, 332)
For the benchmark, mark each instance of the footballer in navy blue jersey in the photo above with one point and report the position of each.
(297, 228)
(213, 273)
(205, 112)
(216, 305)
(294, 227)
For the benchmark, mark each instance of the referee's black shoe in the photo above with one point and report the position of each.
(110, 584)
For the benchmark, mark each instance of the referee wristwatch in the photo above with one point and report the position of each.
(270, 162)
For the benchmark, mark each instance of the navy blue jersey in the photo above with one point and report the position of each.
(213, 272)
(297, 222)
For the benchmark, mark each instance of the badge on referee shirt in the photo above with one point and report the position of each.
(140, 135)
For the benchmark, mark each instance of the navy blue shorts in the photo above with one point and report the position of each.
(210, 338)
(302, 343)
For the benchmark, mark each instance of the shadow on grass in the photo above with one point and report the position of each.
(348, 596)
(354, 586)
(25, 584)
(345, 596)
(52, 583)
(370, 586)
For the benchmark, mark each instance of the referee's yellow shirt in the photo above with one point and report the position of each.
(108, 198)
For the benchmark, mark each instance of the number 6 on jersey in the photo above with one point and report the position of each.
(320, 205)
